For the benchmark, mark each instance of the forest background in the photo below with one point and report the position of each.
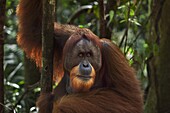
(141, 28)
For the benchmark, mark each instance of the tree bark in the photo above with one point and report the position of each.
(2, 22)
(47, 47)
(31, 76)
(31, 72)
(164, 60)
(111, 5)
(158, 100)
(102, 19)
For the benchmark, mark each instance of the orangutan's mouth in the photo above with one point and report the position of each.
(84, 77)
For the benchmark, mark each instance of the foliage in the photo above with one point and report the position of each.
(131, 21)
(129, 31)
(12, 59)
(15, 98)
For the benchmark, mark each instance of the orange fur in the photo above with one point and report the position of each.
(29, 34)
(45, 100)
(104, 100)
(119, 91)
(79, 85)
(115, 89)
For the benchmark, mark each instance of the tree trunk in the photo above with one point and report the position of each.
(47, 47)
(32, 76)
(31, 72)
(158, 100)
(2, 21)
(164, 61)
(110, 6)
(102, 19)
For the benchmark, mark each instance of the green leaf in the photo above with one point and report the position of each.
(80, 26)
(122, 21)
(14, 85)
(134, 21)
(111, 15)
(132, 13)
(121, 7)
(21, 82)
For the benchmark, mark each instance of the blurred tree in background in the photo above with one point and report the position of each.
(2, 22)
(138, 27)
(158, 99)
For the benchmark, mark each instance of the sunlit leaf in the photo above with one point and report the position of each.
(13, 85)
(132, 13)
(21, 82)
(134, 21)
(122, 21)
(111, 15)
(80, 26)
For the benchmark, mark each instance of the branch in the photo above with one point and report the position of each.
(82, 9)
(47, 45)
(28, 89)
(137, 36)
(125, 36)
(102, 19)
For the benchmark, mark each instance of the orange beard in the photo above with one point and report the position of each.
(77, 83)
